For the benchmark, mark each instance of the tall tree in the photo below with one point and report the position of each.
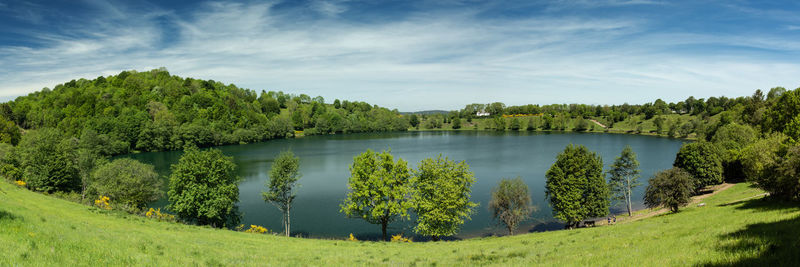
(441, 195)
(203, 187)
(283, 178)
(511, 203)
(624, 176)
(576, 187)
(670, 188)
(379, 189)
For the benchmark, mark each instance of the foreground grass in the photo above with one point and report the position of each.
(39, 230)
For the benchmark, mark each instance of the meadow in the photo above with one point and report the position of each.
(736, 227)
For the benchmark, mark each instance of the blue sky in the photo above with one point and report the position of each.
(415, 55)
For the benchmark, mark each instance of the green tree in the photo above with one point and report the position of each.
(456, 123)
(499, 124)
(783, 111)
(126, 181)
(515, 124)
(414, 121)
(203, 187)
(624, 176)
(576, 187)
(659, 122)
(531, 125)
(283, 178)
(787, 176)
(670, 188)
(511, 203)
(379, 189)
(441, 192)
(759, 160)
(9, 132)
(47, 161)
(702, 161)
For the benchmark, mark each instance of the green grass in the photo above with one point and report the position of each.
(41, 230)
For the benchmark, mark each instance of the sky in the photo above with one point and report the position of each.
(415, 55)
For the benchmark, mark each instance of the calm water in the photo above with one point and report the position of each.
(324, 162)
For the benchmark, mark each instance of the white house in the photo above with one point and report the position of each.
(482, 114)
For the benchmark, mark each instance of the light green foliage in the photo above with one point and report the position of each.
(669, 188)
(758, 157)
(281, 185)
(531, 125)
(441, 192)
(734, 136)
(511, 203)
(624, 176)
(499, 124)
(203, 188)
(47, 161)
(128, 182)
(702, 161)
(456, 123)
(576, 187)
(783, 111)
(379, 189)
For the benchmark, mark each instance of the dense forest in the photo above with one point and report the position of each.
(153, 111)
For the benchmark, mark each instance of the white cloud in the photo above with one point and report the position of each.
(428, 61)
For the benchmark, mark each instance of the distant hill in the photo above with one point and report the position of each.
(426, 112)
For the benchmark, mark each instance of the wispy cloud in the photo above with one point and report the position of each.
(432, 59)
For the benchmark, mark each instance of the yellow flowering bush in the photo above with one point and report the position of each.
(20, 183)
(102, 202)
(158, 215)
(520, 115)
(256, 229)
(352, 238)
(400, 238)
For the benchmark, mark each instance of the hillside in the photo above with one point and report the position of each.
(732, 228)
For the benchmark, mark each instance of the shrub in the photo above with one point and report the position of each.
(399, 238)
(670, 188)
(511, 203)
(102, 202)
(47, 161)
(130, 183)
(256, 229)
(203, 188)
(158, 215)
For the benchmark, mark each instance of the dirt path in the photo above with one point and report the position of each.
(695, 200)
(598, 123)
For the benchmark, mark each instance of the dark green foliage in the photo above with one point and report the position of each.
(511, 203)
(515, 124)
(702, 161)
(786, 177)
(440, 196)
(203, 188)
(582, 125)
(624, 176)
(153, 110)
(379, 189)
(499, 124)
(283, 178)
(414, 120)
(670, 188)
(47, 161)
(9, 132)
(127, 182)
(576, 187)
(531, 125)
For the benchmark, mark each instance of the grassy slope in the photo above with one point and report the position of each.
(40, 230)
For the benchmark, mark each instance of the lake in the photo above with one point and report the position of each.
(325, 161)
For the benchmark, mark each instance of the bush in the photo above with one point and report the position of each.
(786, 178)
(511, 203)
(670, 188)
(759, 160)
(203, 188)
(576, 186)
(129, 183)
(702, 161)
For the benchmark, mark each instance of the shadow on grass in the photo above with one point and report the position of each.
(4, 215)
(774, 243)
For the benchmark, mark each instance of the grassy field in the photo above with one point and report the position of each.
(731, 229)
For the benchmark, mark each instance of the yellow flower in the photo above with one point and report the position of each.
(352, 238)
(20, 183)
(400, 238)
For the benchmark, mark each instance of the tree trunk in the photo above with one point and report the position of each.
(628, 199)
(383, 230)
(288, 220)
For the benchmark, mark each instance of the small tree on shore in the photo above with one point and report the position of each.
(379, 189)
(669, 188)
(576, 187)
(204, 188)
(702, 161)
(624, 176)
(441, 192)
(283, 177)
(128, 182)
(511, 203)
